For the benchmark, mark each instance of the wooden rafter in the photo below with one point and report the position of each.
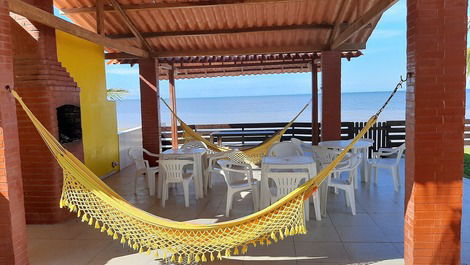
(100, 17)
(362, 22)
(36, 14)
(244, 51)
(130, 25)
(174, 5)
(244, 65)
(222, 31)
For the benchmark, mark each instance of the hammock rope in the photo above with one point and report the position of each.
(181, 242)
(252, 155)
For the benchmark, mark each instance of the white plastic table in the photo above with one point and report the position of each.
(361, 146)
(197, 155)
(285, 163)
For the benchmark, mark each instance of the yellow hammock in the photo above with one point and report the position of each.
(252, 155)
(98, 205)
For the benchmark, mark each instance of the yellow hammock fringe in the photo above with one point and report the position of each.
(251, 155)
(96, 203)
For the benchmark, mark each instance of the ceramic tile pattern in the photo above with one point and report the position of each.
(373, 236)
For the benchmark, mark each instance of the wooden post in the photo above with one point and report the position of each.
(331, 95)
(150, 107)
(174, 122)
(315, 129)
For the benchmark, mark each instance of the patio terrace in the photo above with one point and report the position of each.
(373, 236)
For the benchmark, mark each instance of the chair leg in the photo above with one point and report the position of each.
(159, 185)
(255, 195)
(316, 205)
(164, 193)
(352, 201)
(307, 210)
(186, 193)
(335, 176)
(376, 173)
(229, 203)
(151, 183)
(395, 178)
(346, 197)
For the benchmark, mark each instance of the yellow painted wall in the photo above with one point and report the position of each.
(84, 61)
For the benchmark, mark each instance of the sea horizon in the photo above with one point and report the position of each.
(356, 106)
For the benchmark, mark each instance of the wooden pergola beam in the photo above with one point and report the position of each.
(362, 22)
(222, 31)
(339, 20)
(164, 6)
(130, 25)
(242, 51)
(36, 14)
(100, 17)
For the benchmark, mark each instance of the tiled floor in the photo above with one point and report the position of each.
(373, 236)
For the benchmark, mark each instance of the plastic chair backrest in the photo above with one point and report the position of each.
(194, 144)
(354, 160)
(285, 149)
(234, 171)
(286, 182)
(399, 152)
(324, 155)
(136, 153)
(173, 169)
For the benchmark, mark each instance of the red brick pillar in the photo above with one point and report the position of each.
(150, 106)
(331, 95)
(12, 215)
(437, 33)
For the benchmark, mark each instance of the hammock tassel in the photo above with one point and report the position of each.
(123, 240)
(97, 224)
(173, 258)
(281, 235)
(115, 236)
(212, 257)
(244, 249)
(235, 251)
(197, 258)
(219, 256)
(227, 252)
(180, 259)
(90, 222)
(203, 258)
(189, 259)
(273, 236)
(148, 251)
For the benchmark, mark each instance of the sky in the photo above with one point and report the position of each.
(379, 69)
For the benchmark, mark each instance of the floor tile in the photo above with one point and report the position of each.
(361, 234)
(321, 252)
(371, 252)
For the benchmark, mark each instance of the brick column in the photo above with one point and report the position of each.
(150, 106)
(331, 95)
(437, 33)
(12, 216)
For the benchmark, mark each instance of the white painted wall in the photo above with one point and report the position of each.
(127, 139)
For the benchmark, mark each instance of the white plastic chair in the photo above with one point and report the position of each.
(284, 149)
(239, 177)
(323, 156)
(213, 169)
(305, 147)
(176, 171)
(392, 164)
(286, 182)
(194, 144)
(143, 168)
(349, 166)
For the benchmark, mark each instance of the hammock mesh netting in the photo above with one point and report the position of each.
(180, 242)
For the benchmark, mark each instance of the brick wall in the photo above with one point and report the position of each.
(150, 106)
(12, 220)
(437, 32)
(44, 86)
(331, 95)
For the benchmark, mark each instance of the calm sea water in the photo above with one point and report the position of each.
(355, 107)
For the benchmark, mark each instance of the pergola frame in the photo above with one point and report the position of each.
(435, 99)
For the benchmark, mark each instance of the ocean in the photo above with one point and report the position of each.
(355, 107)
